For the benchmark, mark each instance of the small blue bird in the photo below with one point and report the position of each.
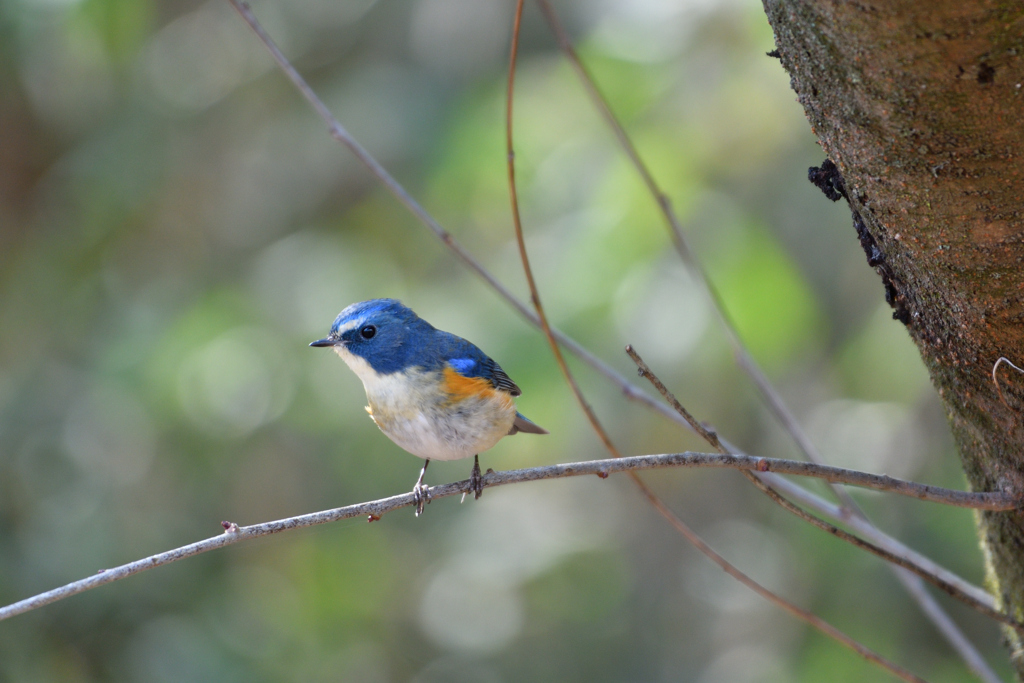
(432, 393)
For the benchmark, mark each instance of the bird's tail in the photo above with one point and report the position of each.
(524, 425)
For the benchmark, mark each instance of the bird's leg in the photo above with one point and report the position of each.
(421, 493)
(476, 480)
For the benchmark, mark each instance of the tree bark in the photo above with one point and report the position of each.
(920, 106)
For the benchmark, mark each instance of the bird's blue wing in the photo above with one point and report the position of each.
(499, 379)
(464, 366)
(469, 361)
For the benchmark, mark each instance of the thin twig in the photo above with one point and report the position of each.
(701, 430)
(521, 242)
(947, 627)
(743, 356)
(995, 379)
(659, 505)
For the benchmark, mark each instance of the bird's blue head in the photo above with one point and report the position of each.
(382, 332)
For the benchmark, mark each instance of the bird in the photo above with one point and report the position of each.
(433, 393)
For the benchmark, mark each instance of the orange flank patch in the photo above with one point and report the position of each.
(460, 387)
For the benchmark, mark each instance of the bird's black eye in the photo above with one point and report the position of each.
(368, 332)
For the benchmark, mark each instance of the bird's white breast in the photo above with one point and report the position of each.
(413, 409)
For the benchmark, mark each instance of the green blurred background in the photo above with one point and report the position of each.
(176, 225)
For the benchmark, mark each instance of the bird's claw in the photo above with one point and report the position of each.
(420, 496)
(476, 480)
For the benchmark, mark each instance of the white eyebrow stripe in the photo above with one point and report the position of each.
(351, 324)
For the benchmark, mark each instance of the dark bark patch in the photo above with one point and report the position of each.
(829, 180)
(986, 74)
(876, 259)
(868, 244)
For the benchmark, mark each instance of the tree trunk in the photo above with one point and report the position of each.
(921, 107)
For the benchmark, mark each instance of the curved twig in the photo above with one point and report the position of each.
(524, 256)
(995, 379)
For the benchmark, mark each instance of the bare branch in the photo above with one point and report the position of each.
(997, 500)
(374, 510)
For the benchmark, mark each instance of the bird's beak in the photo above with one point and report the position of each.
(327, 341)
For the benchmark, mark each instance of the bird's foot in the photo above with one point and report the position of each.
(420, 496)
(421, 492)
(476, 480)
